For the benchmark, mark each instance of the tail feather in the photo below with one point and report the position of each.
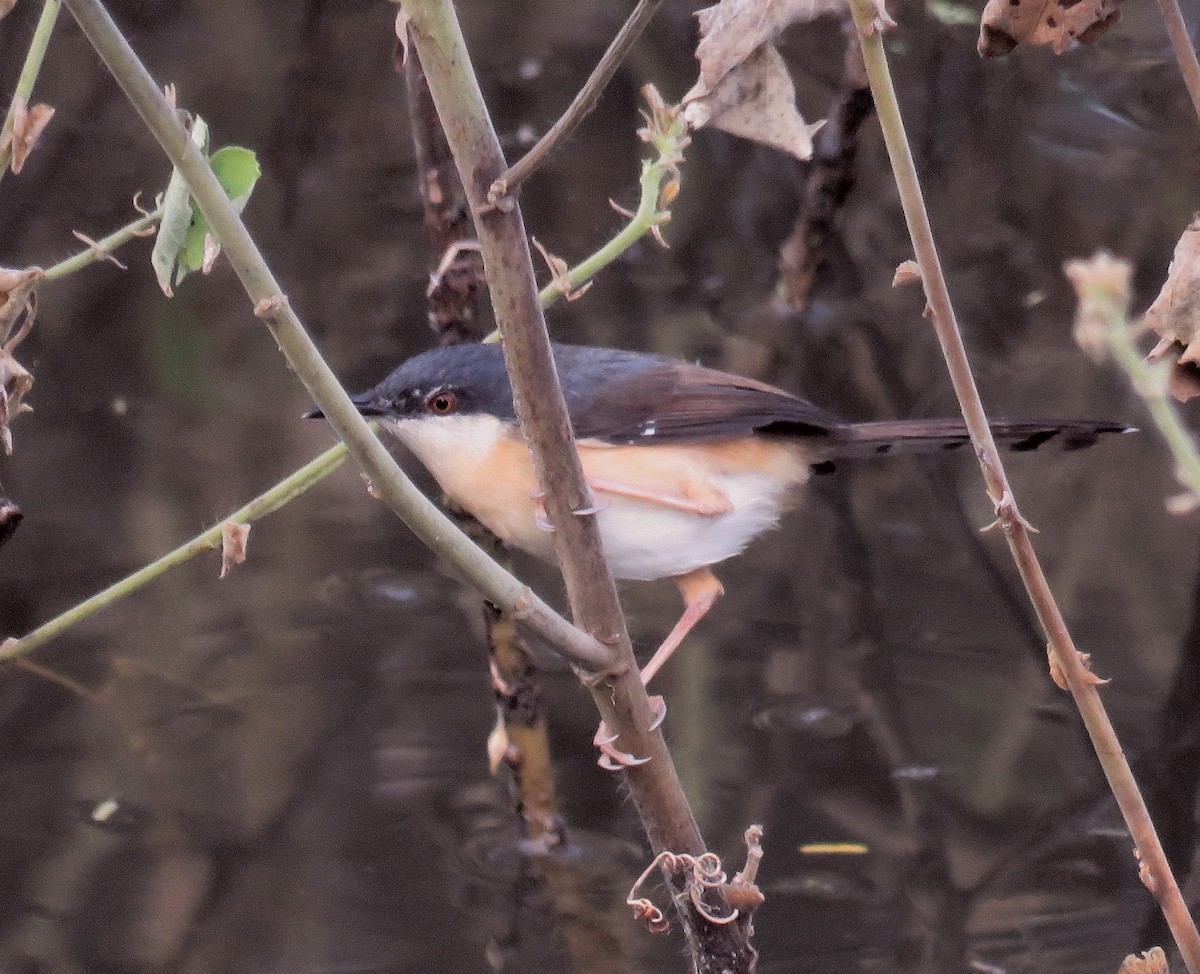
(936, 435)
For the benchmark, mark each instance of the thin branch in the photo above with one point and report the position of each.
(29, 73)
(511, 179)
(385, 475)
(102, 247)
(210, 540)
(867, 19)
(1185, 54)
(619, 695)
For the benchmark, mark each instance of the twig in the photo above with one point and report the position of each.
(652, 213)
(101, 248)
(619, 694)
(511, 179)
(388, 480)
(29, 73)
(1016, 529)
(1185, 54)
(210, 540)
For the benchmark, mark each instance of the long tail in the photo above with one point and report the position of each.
(934, 435)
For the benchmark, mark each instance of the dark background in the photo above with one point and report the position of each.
(296, 753)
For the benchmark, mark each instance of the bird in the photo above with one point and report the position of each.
(687, 464)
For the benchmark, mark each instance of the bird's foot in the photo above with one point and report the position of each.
(613, 758)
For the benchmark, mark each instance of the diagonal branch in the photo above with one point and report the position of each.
(619, 693)
(508, 182)
(1082, 683)
(384, 474)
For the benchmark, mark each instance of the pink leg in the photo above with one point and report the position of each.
(700, 589)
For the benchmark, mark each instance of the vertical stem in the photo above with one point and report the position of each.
(29, 72)
(1157, 871)
(618, 693)
(1185, 54)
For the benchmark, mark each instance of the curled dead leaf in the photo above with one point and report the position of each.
(907, 272)
(1152, 961)
(744, 87)
(16, 296)
(1060, 678)
(1057, 24)
(1175, 314)
(233, 545)
(755, 100)
(497, 745)
(28, 125)
(1102, 286)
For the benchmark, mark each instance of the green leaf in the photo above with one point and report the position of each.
(176, 218)
(237, 170)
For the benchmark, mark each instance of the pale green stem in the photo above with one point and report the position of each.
(29, 72)
(103, 247)
(389, 482)
(1017, 532)
(646, 218)
(264, 504)
(1148, 380)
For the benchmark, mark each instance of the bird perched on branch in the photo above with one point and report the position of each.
(687, 464)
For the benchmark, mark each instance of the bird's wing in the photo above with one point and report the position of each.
(667, 402)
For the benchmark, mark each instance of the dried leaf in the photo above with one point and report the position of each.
(6, 7)
(908, 272)
(1060, 678)
(402, 20)
(1175, 313)
(233, 545)
(755, 100)
(744, 87)
(1152, 961)
(16, 295)
(1102, 285)
(733, 29)
(28, 125)
(497, 745)
(1056, 23)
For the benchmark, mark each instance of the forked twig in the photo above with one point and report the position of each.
(511, 179)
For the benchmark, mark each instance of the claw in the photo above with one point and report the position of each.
(660, 712)
(543, 523)
(595, 508)
(612, 758)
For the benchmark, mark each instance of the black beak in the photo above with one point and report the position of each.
(365, 402)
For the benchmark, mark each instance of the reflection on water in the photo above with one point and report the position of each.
(285, 770)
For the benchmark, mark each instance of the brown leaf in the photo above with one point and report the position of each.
(16, 295)
(907, 272)
(755, 100)
(233, 545)
(744, 87)
(28, 125)
(6, 7)
(1175, 313)
(733, 29)
(1055, 23)
(1152, 961)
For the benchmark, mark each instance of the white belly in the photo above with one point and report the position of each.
(646, 541)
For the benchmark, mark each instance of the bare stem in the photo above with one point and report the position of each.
(29, 73)
(102, 248)
(273, 499)
(389, 482)
(1016, 529)
(619, 695)
(1185, 54)
(511, 179)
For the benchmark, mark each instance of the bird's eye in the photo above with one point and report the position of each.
(442, 403)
